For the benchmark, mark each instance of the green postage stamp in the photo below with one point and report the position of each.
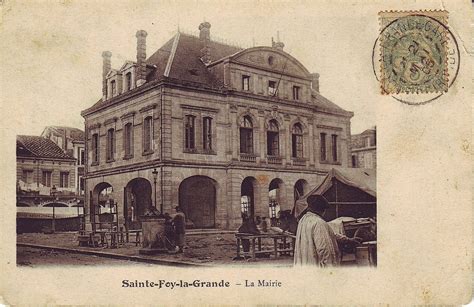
(414, 52)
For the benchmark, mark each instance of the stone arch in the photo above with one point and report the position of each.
(197, 197)
(278, 119)
(249, 195)
(137, 201)
(301, 122)
(254, 118)
(276, 196)
(101, 193)
(300, 189)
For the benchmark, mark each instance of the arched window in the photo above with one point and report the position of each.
(246, 135)
(128, 140)
(297, 141)
(189, 135)
(273, 143)
(207, 133)
(147, 134)
(110, 144)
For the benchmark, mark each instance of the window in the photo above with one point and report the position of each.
(296, 93)
(114, 88)
(354, 161)
(334, 147)
(147, 134)
(273, 146)
(46, 178)
(271, 88)
(246, 135)
(128, 140)
(63, 179)
(189, 136)
(27, 176)
(367, 141)
(128, 81)
(297, 141)
(110, 144)
(81, 159)
(207, 133)
(81, 185)
(95, 148)
(323, 146)
(245, 83)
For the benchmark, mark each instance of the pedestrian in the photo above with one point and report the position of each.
(248, 227)
(265, 224)
(316, 243)
(179, 223)
(169, 232)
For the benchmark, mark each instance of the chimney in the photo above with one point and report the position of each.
(141, 57)
(205, 38)
(315, 82)
(278, 45)
(106, 66)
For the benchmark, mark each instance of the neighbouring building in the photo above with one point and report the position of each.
(71, 141)
(214, 128)
(41, 164)
(364, 149)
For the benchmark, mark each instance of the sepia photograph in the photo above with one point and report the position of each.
(156, 141)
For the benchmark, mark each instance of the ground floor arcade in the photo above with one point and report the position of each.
(210, 197)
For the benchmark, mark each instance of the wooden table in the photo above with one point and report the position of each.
(285, 240)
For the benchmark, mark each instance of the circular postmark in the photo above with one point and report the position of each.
(415, 58)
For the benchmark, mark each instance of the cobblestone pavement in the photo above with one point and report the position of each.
(211, 249)
(34, 257)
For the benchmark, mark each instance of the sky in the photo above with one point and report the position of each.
(51, 51)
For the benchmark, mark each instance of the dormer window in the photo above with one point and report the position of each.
(271, 88)
(113, 85)
(128, 81)
(296, 93)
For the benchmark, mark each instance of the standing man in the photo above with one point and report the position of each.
(179, 222)
(316, 242)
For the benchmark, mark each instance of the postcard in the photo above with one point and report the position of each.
(236, 152)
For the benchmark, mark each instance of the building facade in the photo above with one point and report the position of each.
(41, 164)
(216, 129)
(71, 141)
(364, 149)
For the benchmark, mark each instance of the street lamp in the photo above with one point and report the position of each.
(155, 177)
(54, 192)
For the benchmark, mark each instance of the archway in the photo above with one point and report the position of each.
(100, 197)
(275, 198)
(137, 200)
(248, 195)
(301, 188)
(197, 198)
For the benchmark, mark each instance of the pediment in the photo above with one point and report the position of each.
(127, 65)
(271, 59)
(112, 73)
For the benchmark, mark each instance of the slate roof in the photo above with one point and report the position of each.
(39, 147)
(182, 53)
(186, 64)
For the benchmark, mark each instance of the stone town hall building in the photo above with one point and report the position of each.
(214, 128)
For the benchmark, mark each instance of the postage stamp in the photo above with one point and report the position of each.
(414, 52)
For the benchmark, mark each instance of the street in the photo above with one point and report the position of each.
(34, 257)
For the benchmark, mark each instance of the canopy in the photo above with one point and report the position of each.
(360, 178)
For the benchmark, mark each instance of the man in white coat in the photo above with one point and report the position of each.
(316, 243)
